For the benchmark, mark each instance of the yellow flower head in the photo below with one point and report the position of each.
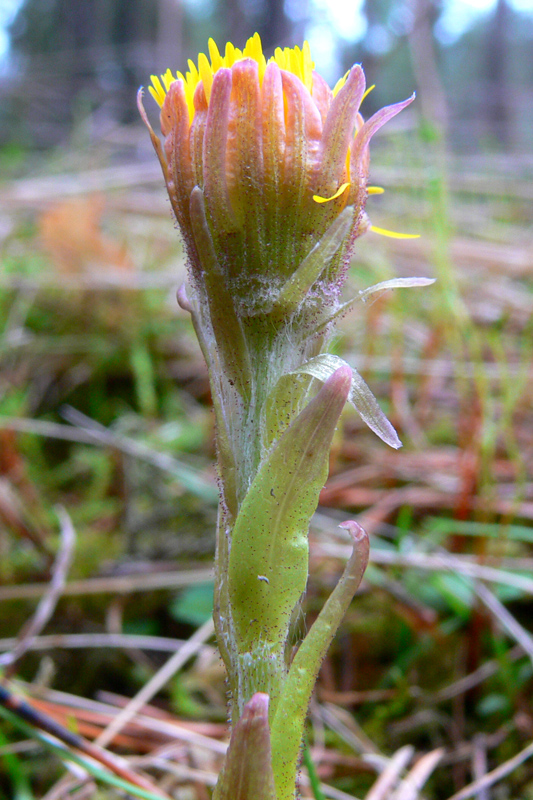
(260, 158)
(292, 59)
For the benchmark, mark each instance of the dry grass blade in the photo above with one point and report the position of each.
(479, 764)
(24, 711)
(174, 730)
(418, 775)
(479, 675)
(117, 584)
(495, 775)
(88, 431)
(352, 734)
(70, 787)
(13, 510)
(389, 777)
(505, 619)
(74, 641)
(31, 191)
(191, 479)
(161, 677)
(103, 282)
(179, 770)
(47, 604)
(335, 794)
(436, 562)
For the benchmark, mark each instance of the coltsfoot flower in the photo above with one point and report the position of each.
(277, 155)
(266, 169)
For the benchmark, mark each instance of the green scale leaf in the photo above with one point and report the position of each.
(247, 772)
(268, 561)
(361, 397)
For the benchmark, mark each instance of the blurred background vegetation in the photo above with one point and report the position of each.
(469, 59)
(105, 407)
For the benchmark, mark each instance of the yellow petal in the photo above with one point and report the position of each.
(204, 68)
(280, 58)
(156, 90)
(168, 78)
(229, 54)
(368, 91)
(216, 59)
(394, 234)
(340, 83)
(318, 199)
(308, 65)
(253, 48)
(195, 75)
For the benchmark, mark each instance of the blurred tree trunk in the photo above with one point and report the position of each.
(371, 63)
(236, 23)
(423, 56)
(273, 25)
(81, 24)
(169, 45)
(276, 28)
(497, 101)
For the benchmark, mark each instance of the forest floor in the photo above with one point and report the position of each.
(108, 493)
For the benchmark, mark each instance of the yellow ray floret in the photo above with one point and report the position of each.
(368, 91)
(370, 190)
(293, 59)
(394, 234)
(340, 83)
(318, 199)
